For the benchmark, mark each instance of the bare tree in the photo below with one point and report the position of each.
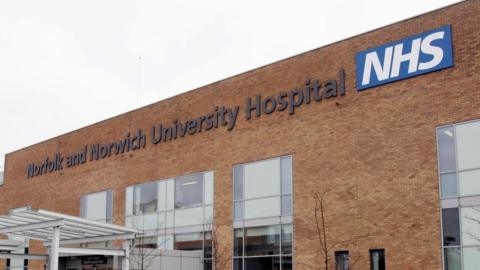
(327, 246)
(142, 253)
(144, 248)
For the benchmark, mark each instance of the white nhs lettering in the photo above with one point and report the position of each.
(394, 57)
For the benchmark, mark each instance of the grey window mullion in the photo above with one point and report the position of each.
(83, 205)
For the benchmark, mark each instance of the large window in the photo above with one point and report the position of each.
(97, 206)
(263, 189)
(172, 211)
(263, 248)
(262, 210)
(459, 173)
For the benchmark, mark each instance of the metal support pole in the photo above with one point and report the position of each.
(54, 248)
(126, 258)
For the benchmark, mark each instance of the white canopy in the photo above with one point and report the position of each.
(56, 229)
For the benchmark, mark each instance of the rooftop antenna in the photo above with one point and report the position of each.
(138, 79)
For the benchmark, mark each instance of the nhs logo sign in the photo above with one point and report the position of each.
(412, 56)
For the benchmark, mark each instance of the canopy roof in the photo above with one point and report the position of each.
(39, 225)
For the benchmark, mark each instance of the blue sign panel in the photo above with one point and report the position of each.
(412, 56)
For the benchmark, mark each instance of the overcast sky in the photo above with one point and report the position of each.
(67, 64)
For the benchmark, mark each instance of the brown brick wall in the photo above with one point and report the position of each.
(377, 147)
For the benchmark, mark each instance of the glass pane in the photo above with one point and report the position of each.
(269, 207)
(453, 257)
(448, 185)
(209, 188)
(286, 205)
(162, 219)
(287, 233)
(162, 196)
(189, 241)
(189, 191)
(262, 241)
(237, 264)
(189, 217)
(137, 222)
(287, 263)
(286, 175)
(238, 242)
(469, 182)
(470, 225)
(169, 242)
(161, 242)
(150, 221)
(468, 145)
(129, 222)
(262, 263)
(170, 219)
(129, 201)
(145, 198)
(451, 227)
(208, 215)
(238, 211)
(170, 194)
(471, 258)
(446, 149)
(96, 206)
(238, 183)
(262, 178)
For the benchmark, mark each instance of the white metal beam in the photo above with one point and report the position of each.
(32, 226)
(126, 258)
(24, 256)
(112, 237)
(68, 251)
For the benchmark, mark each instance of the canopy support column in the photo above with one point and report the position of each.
(126, 258)
(54, 249)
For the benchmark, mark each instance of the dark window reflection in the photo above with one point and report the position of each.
(262, 241)
(451, 227)
(207, 265)
(237, 264)
(287, 263)
(262, 263)
(238, 242)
